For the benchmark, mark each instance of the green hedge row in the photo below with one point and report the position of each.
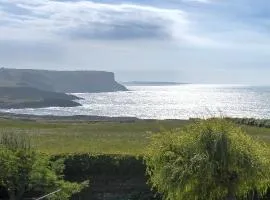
(80, 167)
(105, 172)
(246, 121)
(112, 177)
(252, 122)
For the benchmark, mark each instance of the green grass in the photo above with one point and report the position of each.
(100, 137)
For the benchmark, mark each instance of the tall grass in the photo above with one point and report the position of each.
(15, 141)
(126, 138)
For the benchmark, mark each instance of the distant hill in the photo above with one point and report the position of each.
(151, 83)
(26, 97)
(60, 81)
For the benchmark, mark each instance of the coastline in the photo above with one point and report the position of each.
(96, 118)
(77, 118)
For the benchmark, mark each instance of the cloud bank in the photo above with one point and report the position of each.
(184, 35)
(182, 21)
(90, 20)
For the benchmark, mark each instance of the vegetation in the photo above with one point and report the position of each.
(112, 177)
(24, 170)
(252, 122)
(57, 137)
(70, 137)
(211, 159)
(106, 153)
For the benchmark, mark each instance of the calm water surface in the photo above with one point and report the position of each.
(170, 102)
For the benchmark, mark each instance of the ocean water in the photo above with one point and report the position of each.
(170, 102)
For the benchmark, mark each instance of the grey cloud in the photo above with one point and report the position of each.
(119, 31)
(91, 20)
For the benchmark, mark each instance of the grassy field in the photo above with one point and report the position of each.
(100, 137)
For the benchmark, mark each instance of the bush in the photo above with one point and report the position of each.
(208, 160)
(24, 170)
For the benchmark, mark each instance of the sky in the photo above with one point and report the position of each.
(198, 41)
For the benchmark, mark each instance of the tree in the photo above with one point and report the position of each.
(208, 160)
(22, 169)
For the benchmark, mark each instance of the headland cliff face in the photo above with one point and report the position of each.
(61, 81)
(28, 88)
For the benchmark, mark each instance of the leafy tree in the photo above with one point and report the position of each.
(208, 160)
(22, 169)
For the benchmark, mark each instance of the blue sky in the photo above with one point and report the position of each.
(200, 41)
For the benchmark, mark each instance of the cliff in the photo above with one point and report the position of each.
(61, 81)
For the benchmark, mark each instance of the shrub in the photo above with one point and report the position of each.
(25, 170)
(208, 160)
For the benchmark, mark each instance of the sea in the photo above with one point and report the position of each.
(169, 102)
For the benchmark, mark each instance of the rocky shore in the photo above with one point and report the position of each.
(44, 103)
(27, 97)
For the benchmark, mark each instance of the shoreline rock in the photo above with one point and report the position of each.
(26, 97)
(45, 103)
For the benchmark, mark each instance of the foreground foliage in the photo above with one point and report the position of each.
(208, 160)
(24, 170)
